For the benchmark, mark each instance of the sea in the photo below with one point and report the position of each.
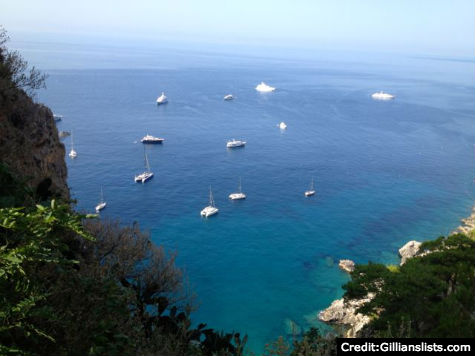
(385, 172)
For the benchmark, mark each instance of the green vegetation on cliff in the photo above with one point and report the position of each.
(432, 295)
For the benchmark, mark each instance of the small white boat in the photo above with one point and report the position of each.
(145, 176)
(382, 96)
(57, 117)
(311, 190)
(102, 204)
(264, 88)
(228, 97)
(239, 195)
(235, 143)
(211, 209)
(152, 139)
(282, 125)
(162, 99)
(72, 153)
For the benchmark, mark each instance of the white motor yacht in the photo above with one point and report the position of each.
(282, 125)
(145, 176)
(311, 190)
(239, 195)
(211, 209)
(57, 117)
(72, 153)
(152, 139)
(235, 143)
(264, 88)
(228, 97)
(382, 96)
(162, 99)
(102, 204)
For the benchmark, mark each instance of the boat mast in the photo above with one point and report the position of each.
(72, 141)
(147, 165)
(102, 195)
(211, 200)
(240, 189)
(311, 185)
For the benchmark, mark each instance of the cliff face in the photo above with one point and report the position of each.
(31, 149)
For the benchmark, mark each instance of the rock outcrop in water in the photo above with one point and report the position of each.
(468, 224)
(347, 265)
(31, 149)
(344, 313)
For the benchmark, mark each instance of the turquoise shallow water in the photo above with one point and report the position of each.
(385, 172)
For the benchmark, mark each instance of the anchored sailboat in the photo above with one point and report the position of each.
(145, 176)
(162, 99)
(311, 191)
(211, 209)
(239, 195)
(102, 204)
(72, 153)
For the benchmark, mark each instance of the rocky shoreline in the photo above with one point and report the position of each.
(341, 313)
(468, 224)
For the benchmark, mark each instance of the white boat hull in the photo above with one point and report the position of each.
(237, 196)
(209, 211)
(235, 144)
(309, 193)
(382, 96)
(264, 88)
(73, 154)
(144, 177)
(100, 206)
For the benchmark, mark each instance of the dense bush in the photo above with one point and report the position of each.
(312, 343)
(429, 296)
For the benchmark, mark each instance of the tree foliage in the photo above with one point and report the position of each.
(15, 73)
(312, 343)
(30, 240)
(429, 296)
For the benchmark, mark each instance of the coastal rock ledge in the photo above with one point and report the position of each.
(347, 265)
(344, 313)
(409, 250)
(468, 225)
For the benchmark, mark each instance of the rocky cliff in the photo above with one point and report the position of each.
(30, 147)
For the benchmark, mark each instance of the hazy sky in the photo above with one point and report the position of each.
(432, 26)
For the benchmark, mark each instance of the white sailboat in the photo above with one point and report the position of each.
(311, 190)
(239, 195)
(145, 176)
(102, 204)
(162, 99)
(211, 209)
(229, 97)
(282, 125)
(72, 153)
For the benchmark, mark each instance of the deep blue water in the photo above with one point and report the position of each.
(385, 172)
